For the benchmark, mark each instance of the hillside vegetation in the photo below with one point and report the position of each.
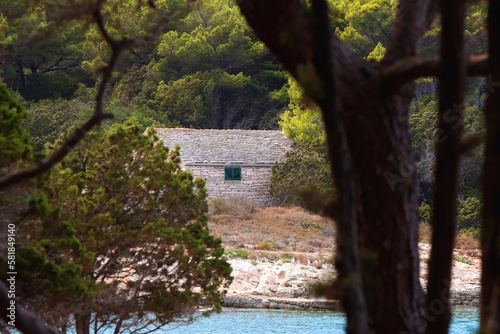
(209, 70)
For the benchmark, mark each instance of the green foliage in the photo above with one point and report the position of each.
(364, 24)
(214, 72)
(303, 125)
(40, 67)
(462, 259)
(236, 253)
(119, 218)
(50, 119)
(304, 177)
(474, 232)
(469, 213)
(49, 86)
(377, 54)
(213, 100)
(424, 132)
(425, 213)
(268, 246)
(286, 257)
(15, 143)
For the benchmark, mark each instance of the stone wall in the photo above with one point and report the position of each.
(254, 183)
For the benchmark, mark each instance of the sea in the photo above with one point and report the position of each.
(254, 321)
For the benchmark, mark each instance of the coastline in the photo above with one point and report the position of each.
(278, 285)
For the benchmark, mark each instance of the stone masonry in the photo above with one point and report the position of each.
(206, 153)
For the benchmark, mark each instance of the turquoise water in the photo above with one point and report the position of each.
(242, 321)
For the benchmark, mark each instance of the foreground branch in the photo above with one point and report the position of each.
(25, 321)
(490, 233)
(347, 258)
(412, 68)
(57, 156)
(409, 27)
(448, 151)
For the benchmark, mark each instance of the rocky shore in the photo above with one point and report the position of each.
(287, 282)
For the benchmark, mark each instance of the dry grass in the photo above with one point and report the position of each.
(465, 240)
(242, 225)
(424, 233)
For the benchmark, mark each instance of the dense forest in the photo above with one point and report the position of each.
(205, 68)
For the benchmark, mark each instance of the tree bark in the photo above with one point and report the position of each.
(448, 151)
(490, 279)
(82, 323)
(347, 257)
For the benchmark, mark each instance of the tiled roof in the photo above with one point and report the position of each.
(227, 147)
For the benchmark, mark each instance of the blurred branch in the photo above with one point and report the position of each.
(412, 68)
(348, 257)
(452, 76)
(409, 27)
(25, 321)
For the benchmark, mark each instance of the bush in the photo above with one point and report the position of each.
(468, 238)
(286, 258)
(236, 253)
(469, 213)
(461, 259)
(304, 178)
(268, 246)
(424, 233)
(425, 213)
(238, 206)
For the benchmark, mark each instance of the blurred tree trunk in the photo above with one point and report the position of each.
(82, 323)
(381, 167)
(490, 279)
(448, 151)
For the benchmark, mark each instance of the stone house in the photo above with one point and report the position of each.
(233, 162)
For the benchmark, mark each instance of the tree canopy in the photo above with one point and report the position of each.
(118, 232)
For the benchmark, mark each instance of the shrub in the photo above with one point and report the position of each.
(268, 246)
(468, 213)
(425, 213)
(307, 224)
(461, 259)
(237, 206)
(286, 257)
(468, 238)
(241, 253)
(236, 253)
(424, 233)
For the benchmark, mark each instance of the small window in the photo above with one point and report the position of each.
(232, 173)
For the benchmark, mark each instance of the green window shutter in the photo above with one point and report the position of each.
(232, 173)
